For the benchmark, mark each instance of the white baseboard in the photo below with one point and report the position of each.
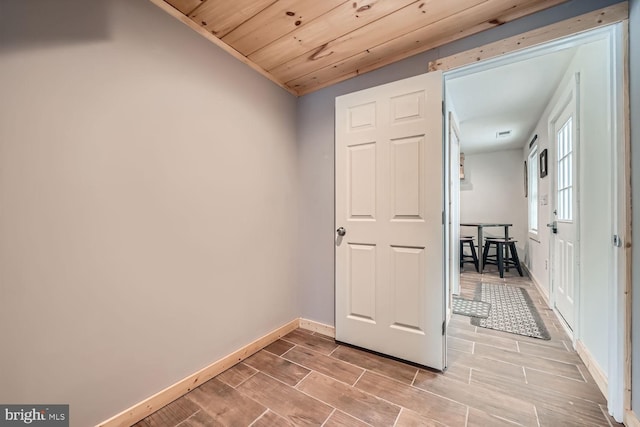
(594, 369)
(150, 405)
(321, 328)
(592, 366)
(536, 283)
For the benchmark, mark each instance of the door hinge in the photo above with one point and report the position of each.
(443, 218)
(444, 327)
(443, 108)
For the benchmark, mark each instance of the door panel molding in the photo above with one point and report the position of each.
(390, 261)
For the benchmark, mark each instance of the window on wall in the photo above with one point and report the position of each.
(532, 184)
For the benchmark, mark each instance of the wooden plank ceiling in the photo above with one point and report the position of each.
(305, 45)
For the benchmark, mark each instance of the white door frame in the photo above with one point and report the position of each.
(619, 340)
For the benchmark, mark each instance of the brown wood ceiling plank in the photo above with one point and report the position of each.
(225, 47)
(408, 19)
(338, 39)
(277, 20)
(532, 7)
(468, 22)
(337, 22)
(185, 6)
(334, 73)
(219, 17)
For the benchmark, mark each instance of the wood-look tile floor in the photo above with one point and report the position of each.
(494, 379)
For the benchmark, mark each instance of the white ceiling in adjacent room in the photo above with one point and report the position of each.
(498, 108)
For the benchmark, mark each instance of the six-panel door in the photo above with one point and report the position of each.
(389, 199)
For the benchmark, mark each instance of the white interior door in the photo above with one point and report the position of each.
(564, 239)
(389, 206)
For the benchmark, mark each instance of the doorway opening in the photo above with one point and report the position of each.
(556, 106)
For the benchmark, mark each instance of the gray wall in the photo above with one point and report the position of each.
(315, 138)
(148, 204)
(634, 48)
(133, 196)
(492, 191)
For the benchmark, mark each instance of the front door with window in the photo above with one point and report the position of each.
(389, 219)
(564, 269)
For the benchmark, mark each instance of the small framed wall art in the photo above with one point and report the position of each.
(543, 163)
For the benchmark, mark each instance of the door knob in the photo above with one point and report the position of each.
(341, 231)
(553, 226)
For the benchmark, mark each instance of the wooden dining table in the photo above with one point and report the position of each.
(481, 226)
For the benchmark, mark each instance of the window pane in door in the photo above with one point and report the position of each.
(564, 168)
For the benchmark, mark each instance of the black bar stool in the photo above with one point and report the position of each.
(503, 247)
(473, 258)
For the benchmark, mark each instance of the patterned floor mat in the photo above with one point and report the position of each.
(471, 308)
(511, 311)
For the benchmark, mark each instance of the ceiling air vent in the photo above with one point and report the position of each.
(503, 134)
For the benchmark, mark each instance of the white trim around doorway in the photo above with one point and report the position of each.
(618, 380)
